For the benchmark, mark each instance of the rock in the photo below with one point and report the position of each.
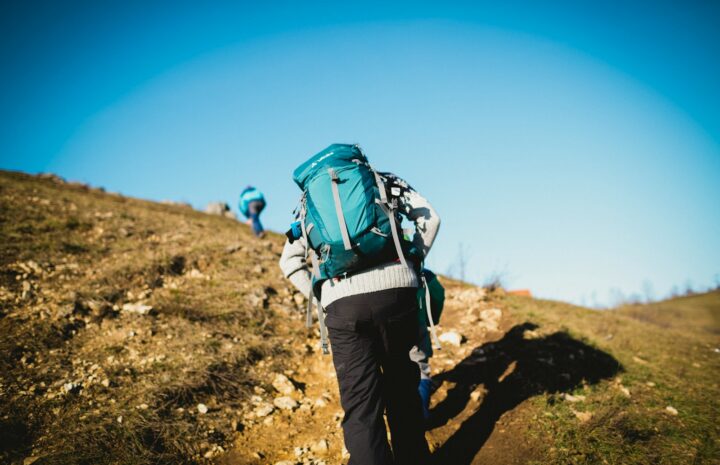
(139, 308)
(624, 390)
(220, 209)
(195, 274)
(299, 299)
(283, 384)
(469, 296)
(490, 319)
(452, 337)
(671, 410)
(263, 409)
(584, 417)
(285, 403)
(30, 460)
(285, 462)
(72, 387)
(232, 248)
(572, 398)
(650, 384)
(119, 419)
(320, 446)
(202, 409)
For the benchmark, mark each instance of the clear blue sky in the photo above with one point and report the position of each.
(574, 146)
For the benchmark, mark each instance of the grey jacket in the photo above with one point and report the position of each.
(387, 276)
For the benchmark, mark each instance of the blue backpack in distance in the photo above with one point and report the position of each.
(250, 194)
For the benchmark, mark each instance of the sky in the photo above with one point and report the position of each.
(571, 147)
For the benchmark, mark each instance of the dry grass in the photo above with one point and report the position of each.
(85, 380)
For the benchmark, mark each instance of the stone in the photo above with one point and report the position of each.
(285, 403)
(572, 398)
(202, 409)
(671, 410)
(299, 299)
(232, 248)
(72, 387)
(624, 390)
(220, 209)
(263, 409)
(195, 274)
(490, 319)
(584, 417)
(283, 384)
(320, 446)
(451, 337)
(138, 308)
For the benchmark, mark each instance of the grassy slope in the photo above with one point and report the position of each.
(72, 362)
(669, 356)
(84, 381)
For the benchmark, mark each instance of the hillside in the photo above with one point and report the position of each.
(136, 332)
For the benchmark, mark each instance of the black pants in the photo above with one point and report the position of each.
(371, 336)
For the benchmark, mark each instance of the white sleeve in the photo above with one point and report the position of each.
(426, 219)
(294, 266)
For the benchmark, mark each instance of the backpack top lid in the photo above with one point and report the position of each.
(334, 155)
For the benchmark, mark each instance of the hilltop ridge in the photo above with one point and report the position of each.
(139, 332)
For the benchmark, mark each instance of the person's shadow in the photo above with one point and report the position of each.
(511, 370)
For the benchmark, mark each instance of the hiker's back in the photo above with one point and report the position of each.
(342, 212)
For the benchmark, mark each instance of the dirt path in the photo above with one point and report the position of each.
(311, 434)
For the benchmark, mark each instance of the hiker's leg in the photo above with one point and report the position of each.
(255, 222)
(421, 354)
(401, 378)
(254, 209)
(355, 346)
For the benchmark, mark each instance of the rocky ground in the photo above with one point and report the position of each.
(136, 332)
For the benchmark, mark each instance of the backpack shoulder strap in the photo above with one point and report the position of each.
(389, 209)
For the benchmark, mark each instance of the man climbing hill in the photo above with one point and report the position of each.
(252, 203)
(365, 276)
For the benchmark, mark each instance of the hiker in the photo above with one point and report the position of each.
(423, 349)
(365, 277)
(252, 202)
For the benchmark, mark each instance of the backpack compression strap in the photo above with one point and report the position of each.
(339, 210)
(389, 209)
(311, 297)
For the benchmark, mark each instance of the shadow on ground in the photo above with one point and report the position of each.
(511, 370)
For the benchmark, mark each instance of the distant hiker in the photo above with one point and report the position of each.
(422, 351)
(364, 276)
(252, 202)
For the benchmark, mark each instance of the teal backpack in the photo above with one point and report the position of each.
(250, 194)
(347, 218)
